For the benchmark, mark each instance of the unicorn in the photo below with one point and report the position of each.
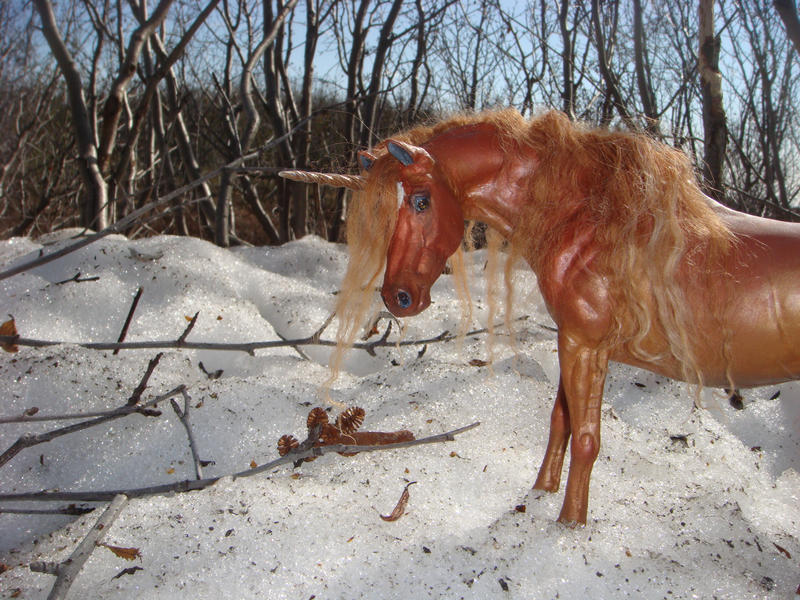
(635, 264)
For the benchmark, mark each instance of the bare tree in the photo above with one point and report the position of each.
(605, 42)
(714, 121)
(241, 140)
(567, 59)
(642, 66)
(765, 178)
(93, 208)
(155, 97)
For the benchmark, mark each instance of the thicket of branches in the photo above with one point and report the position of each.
(105, 106)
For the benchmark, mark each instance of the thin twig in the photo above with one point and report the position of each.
(29, 440)
(67, 510)
(68, 570)
(43, 566)
(139, 390)
(318, 333)
(183, 415)
(129, 318)
(65, 417)
(77, 279)
(187, 485)
(188, 330)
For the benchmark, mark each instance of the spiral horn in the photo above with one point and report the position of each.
(353, 182)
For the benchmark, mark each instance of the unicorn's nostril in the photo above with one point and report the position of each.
(403, 299)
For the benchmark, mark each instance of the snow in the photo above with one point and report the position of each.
(685, 502)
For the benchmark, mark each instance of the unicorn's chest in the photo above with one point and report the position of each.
(576, 294)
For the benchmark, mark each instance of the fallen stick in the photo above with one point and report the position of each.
(29, 440)
(123, 334)
(183, 415)
(68, 570)
(189, 485)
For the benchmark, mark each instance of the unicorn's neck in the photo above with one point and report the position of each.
(491, 173)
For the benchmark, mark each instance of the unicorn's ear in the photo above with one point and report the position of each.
(366, 160)
(400, 151)
(409, 155)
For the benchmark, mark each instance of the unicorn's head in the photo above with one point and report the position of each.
(429, 227)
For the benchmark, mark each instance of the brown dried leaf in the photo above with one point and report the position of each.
(477, 362)
(9, 328)
(400, 508)
(782, 550)
(126, 553)
(329, 434)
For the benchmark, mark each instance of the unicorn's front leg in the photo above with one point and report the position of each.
(583, 375)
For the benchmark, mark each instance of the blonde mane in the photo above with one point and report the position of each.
(639, 196)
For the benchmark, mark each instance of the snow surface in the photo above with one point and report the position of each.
(711, 514)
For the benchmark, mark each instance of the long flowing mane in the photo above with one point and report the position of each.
(648, 217)
(639, 196)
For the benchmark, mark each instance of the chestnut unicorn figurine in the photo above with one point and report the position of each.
(634, 262)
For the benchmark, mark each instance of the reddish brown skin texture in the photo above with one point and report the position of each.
(762, 305)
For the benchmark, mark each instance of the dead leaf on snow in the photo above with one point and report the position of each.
(126, 553)
(9, 328)
(400, 508)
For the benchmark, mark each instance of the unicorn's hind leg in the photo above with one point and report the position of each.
(549, 477)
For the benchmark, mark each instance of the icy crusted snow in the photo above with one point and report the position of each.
(685, 503)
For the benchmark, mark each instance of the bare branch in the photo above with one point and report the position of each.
(249, 347)
(113, 106)
(27, 441)
(183, 415)
(68, 570)
(129, 318)
(93, 206)
(188, 485)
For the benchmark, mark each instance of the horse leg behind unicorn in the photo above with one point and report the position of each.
(634, 262)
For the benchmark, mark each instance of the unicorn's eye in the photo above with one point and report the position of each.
(420, 202)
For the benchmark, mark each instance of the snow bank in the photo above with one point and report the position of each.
(684, 503)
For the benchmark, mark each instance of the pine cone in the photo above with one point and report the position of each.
(317, 416)
(287, 443)
(350, 420)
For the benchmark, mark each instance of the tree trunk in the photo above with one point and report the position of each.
(93, 207)
(642, 71)
(714, 121)
(787, 9)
